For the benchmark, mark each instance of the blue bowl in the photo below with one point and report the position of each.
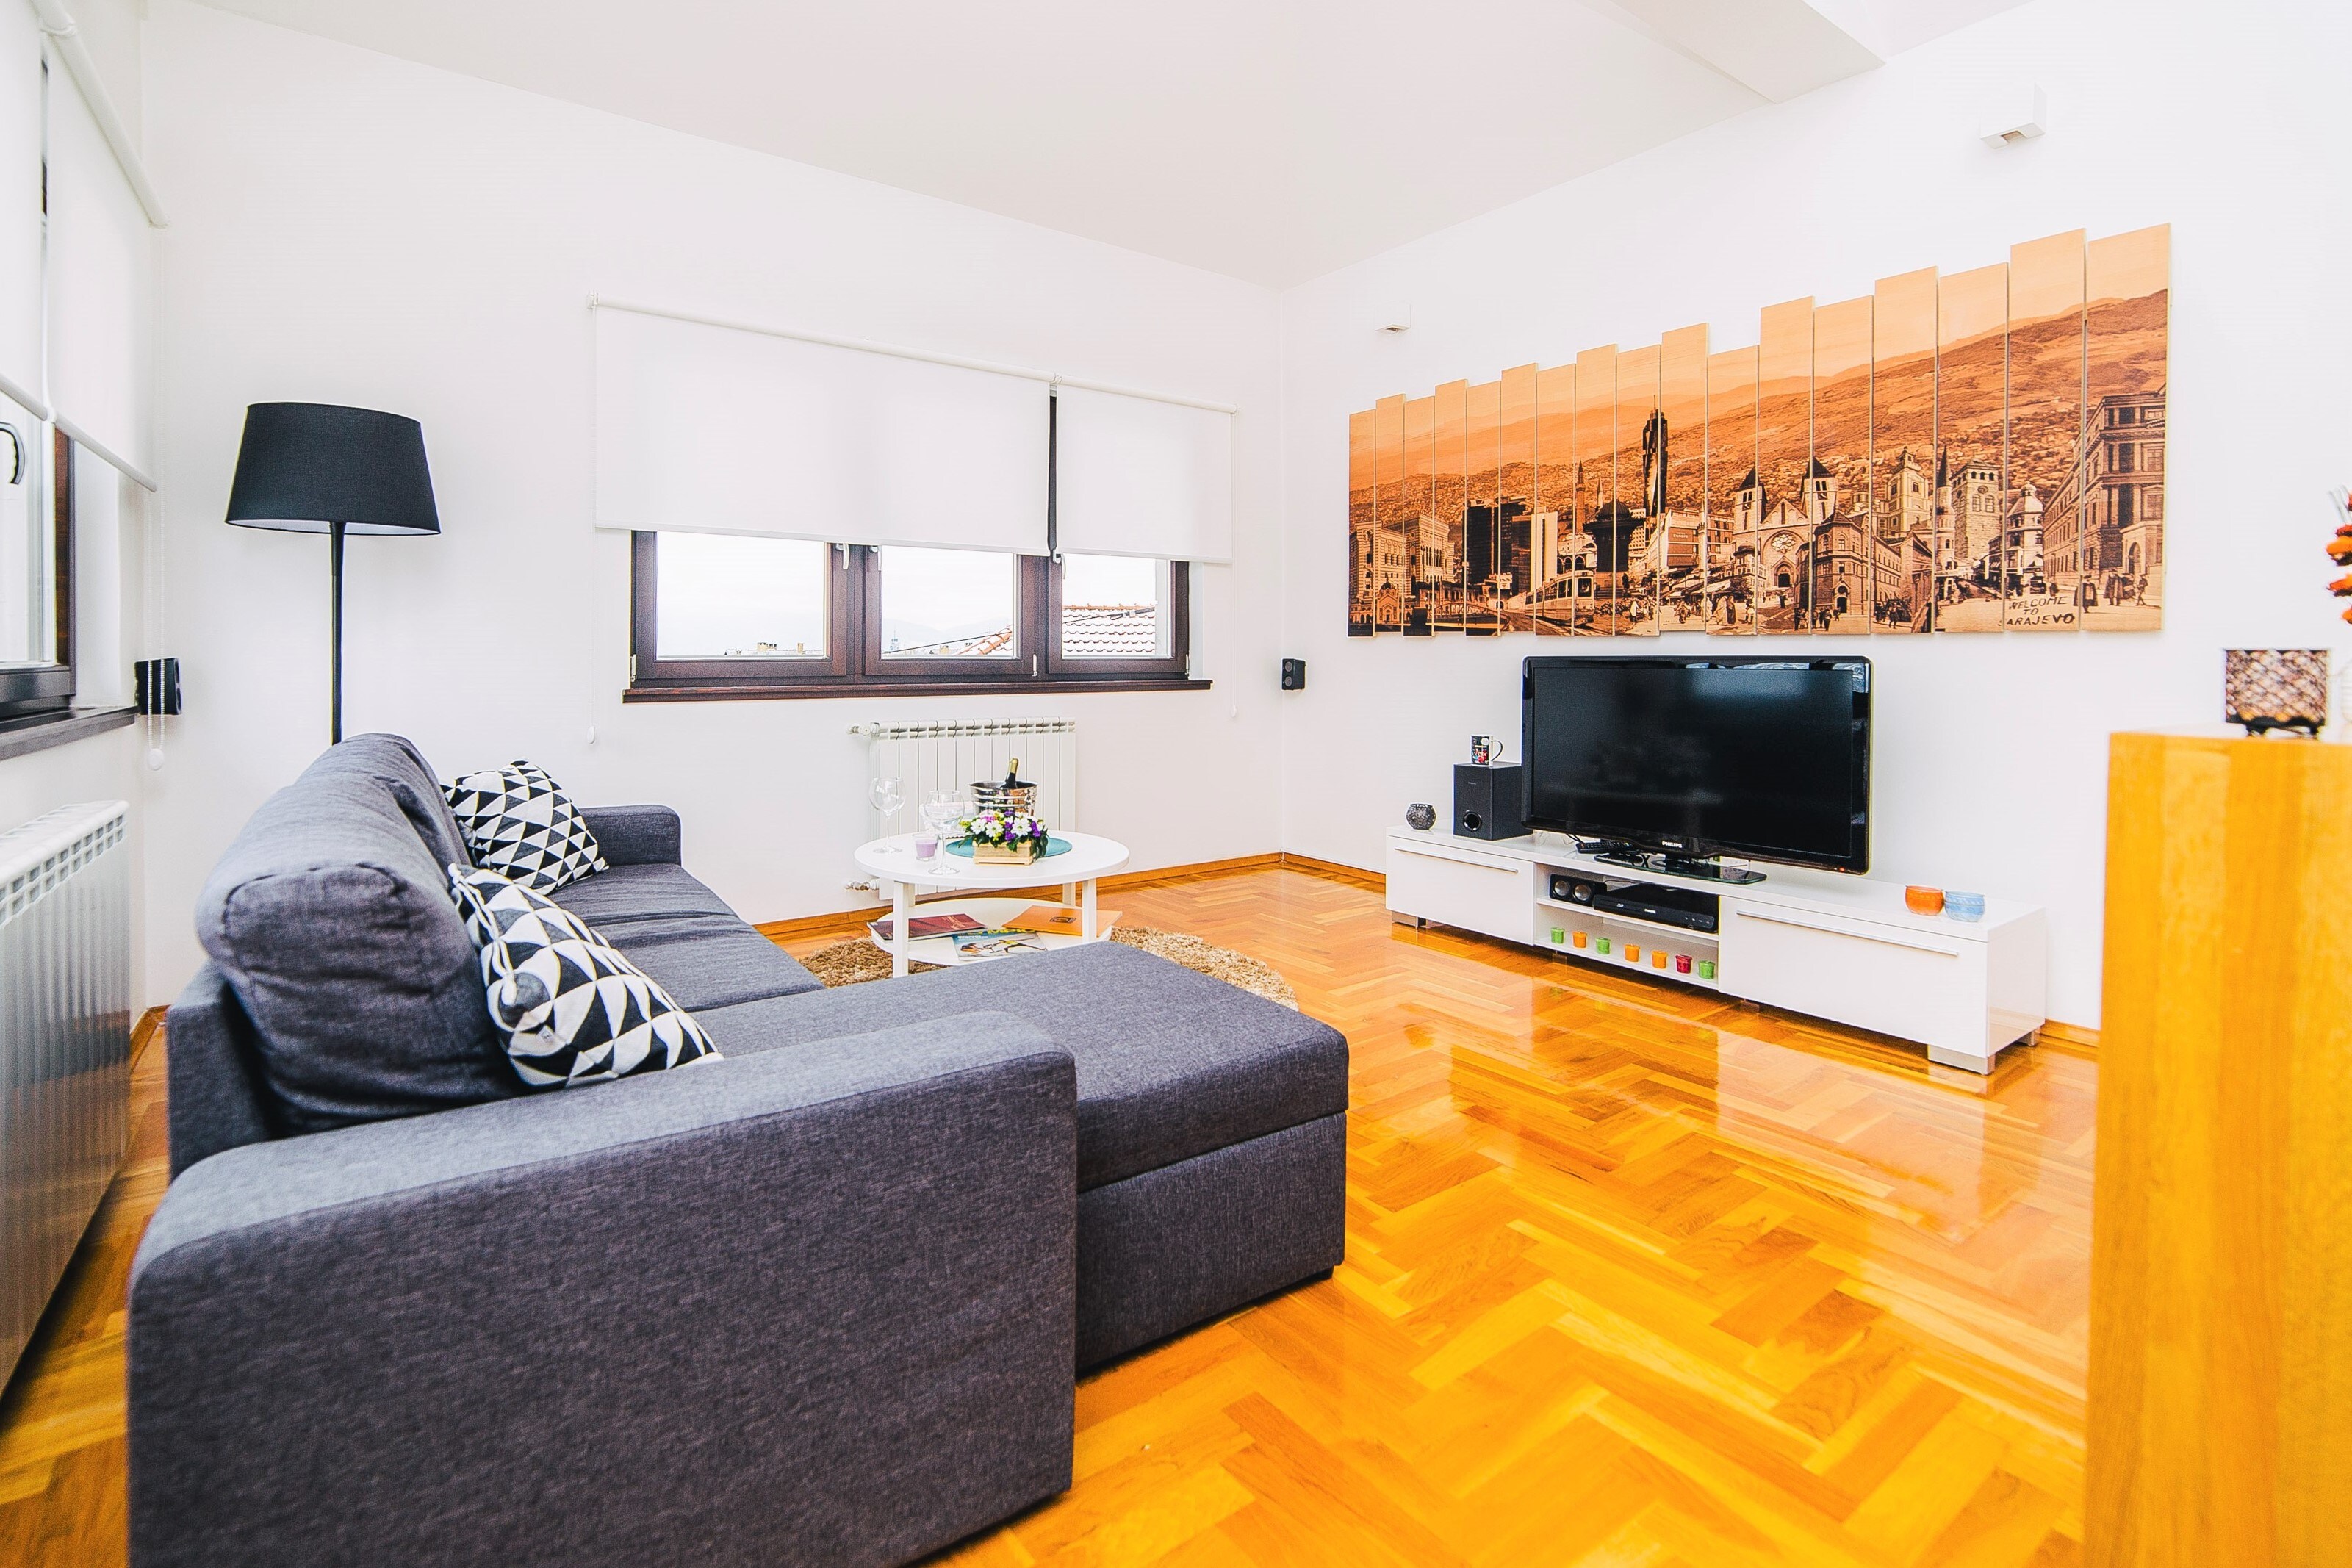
(1964, 906)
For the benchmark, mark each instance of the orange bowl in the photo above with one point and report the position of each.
(1924, 900)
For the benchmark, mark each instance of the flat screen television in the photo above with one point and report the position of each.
(1690, 758)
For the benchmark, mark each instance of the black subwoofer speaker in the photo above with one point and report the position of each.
(1487, 802)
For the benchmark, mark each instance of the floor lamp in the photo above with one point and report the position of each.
(318, 468)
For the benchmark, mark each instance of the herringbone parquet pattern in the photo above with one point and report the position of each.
(1632, 1278)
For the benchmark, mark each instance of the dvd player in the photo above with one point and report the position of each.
(1684, 907)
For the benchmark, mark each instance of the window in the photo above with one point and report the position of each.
(717, 616)
(37, 670)
(723, 598)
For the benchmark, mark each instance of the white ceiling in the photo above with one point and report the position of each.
(1273, 140)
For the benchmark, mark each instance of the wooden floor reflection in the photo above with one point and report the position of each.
(1633, 1276)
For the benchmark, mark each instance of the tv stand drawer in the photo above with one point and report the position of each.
(1916, 985)
(1494, 896)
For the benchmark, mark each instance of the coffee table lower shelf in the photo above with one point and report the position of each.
(940, 950)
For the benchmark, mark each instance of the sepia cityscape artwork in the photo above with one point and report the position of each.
(1977, 452)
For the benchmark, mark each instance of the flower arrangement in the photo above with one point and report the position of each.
(1005, 835)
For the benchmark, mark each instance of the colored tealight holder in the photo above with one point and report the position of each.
(1632, 953)
(1924, 900)
(1600, 946)
(1579, 938)
(927, 845)
(1964, 906)
(1706, 969)
(1657, 958)
(1682, 964)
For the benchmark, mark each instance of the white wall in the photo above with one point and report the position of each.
(2225, 122)
(348, 228)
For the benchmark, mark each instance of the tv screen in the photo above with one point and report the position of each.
(1769, 758)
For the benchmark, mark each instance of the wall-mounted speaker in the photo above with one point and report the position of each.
(1294, 675)
(156, 686)
(1487, 802)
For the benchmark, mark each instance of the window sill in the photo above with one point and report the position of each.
(751, 691)
(39, 732)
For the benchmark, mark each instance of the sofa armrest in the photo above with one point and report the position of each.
(809, 1305)
(635, 835)
(214, 1097)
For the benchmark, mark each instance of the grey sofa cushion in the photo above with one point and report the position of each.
(709, 961)
(639, 892)
(333, 923)
(398, 764)
(1172, 1064)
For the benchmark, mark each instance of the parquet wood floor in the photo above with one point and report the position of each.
(1633, 1277)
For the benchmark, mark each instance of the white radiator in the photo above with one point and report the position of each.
(64, 1045)
(955, 755)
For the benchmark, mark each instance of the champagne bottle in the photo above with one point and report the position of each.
(1013, 773)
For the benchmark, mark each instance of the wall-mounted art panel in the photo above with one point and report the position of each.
(1424, 557)
(1596, 482)
(1482, 534)
(1363, 540)
(1450, 498)
(2040, 543)
(1784, 460)
(1560, 565)
(1515, 516)
(1390, 580)
(2127, 282)
(1971, 424)
(1902, 447)
(1848, 565)
(1677, 538)
(1734, 494)
(1624, 534)
(1979, 452)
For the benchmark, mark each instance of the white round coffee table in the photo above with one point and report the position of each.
(891, 863)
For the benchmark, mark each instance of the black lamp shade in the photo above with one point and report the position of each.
(305, 465)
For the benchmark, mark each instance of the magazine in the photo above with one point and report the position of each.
(1060, 920)
(978, 944)
(922, 926)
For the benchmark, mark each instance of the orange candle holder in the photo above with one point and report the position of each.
(1924, 900)
(1632, 953)
(1579, 938)
(1657, 958)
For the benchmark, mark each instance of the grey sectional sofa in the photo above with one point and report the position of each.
(822, 1302)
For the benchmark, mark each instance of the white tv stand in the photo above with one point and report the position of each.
(1841, 948)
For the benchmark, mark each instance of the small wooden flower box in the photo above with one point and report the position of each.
(987, 854)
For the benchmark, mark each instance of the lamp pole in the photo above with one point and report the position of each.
(335, 620)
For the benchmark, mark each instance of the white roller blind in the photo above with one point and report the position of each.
(1141, 477)
(721, 430)
(101, 270)
(20, 197)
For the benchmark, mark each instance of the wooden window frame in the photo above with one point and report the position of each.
(855, 665)
(49, 690)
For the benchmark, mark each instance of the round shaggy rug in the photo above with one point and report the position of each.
(858, 959)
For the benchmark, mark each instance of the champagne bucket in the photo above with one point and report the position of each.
(1020, 796)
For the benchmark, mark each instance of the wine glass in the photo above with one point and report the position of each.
(940, 810)
(887, 798)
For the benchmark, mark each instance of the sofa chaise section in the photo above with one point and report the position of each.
(803, 1307)
(1212, 1123)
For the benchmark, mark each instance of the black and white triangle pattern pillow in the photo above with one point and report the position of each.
(572, 1008)
(516, 821)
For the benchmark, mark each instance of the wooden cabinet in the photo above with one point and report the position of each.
(2220, 1386)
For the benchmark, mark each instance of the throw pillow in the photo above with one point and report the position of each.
(516, 821)
(572, 1008)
